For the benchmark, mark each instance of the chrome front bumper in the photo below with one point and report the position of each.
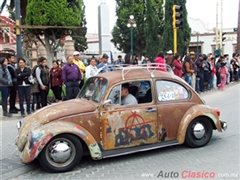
(224, 125)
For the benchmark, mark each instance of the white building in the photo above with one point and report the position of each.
(207, 38)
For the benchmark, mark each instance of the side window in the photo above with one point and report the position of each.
(115, 95)
(170, 91)
(131, 93)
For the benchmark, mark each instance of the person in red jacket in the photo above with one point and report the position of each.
(56, 80)
(178, 66)
(160, 59)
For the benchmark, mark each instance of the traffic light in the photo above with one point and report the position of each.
(177, 15)
(223, 38)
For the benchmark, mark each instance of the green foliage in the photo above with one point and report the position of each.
(143, 35)
(79, 35)
(53, 13)
(121, 33)
(153, 27)
(183, 33)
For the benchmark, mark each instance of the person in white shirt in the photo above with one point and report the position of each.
(127, 98)
(91, 70)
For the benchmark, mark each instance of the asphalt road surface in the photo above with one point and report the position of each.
(218, 160)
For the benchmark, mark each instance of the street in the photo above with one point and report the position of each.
(218, 160)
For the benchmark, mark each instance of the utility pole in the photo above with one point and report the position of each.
(221, 26)
(18, 30)
(238, 31)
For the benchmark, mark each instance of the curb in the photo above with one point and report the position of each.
(20, 170)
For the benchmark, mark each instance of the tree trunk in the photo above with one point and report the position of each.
(49, 50)
(238, 32)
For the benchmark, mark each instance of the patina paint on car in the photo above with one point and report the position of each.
(52, 113)
(39, 137)
(128, 127)
(113, 129)
(192, 113)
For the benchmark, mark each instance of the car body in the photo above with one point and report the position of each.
(169, 112)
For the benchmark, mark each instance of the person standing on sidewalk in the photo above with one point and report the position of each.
(223, 71)
(24, 86)
(13, 89)
(178, 66)
(71, 77)
(36, 97)
(56, 80)
(80, 65)
(188, 71)
(43, 77)
(5, 83)
(91, 70)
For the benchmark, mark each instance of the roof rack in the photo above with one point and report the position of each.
(126, 68)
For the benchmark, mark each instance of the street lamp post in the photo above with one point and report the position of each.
(18, 30)
(197, 41)
(131, 24)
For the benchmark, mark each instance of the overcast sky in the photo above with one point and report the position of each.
(197, 9)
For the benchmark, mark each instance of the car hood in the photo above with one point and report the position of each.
(51, 113)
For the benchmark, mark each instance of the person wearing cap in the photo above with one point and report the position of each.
(104, 66)
(5, 83)
(200, 74)
(127, 98)
(71, 77)
(80, 65)
(169, 57)
(119, 61)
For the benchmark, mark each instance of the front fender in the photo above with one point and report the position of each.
(39, 137)
(194, 112)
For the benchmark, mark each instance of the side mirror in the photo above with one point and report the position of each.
(107, 102)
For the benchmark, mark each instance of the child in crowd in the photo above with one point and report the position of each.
(223, 71)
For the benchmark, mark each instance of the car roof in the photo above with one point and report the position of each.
(137, 73)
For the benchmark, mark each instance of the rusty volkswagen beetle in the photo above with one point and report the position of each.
(168, 112)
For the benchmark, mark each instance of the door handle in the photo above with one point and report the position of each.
(151, 110)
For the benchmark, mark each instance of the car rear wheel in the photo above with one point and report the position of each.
(61, 154)
(199, 132)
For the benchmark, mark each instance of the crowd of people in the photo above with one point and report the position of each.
(199, 72)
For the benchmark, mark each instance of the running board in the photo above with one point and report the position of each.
(124, 151)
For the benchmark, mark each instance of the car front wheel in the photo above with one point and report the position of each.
(199, 132)
(61, 154)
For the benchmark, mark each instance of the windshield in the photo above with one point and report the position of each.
(94, 89)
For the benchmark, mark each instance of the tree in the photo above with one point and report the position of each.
(121, 33)
(53, 13)
(154, 26)
(183, 33)
(79, 35)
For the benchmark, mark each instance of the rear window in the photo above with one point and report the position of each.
(170, 91)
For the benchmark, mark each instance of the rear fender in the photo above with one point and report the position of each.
(194, 112)
(38, 138)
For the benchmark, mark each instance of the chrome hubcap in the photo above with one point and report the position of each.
(61, 152)
(198, 131)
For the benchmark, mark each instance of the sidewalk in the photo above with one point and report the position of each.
(10, 163)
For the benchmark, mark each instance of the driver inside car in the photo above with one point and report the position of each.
(127, 98)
